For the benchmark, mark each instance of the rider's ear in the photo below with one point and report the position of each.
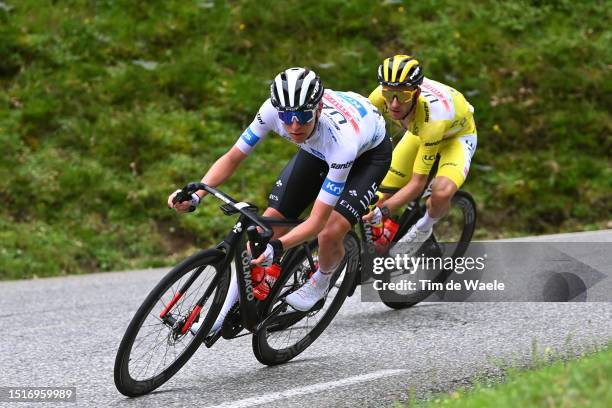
(417, 94)
(320, 108)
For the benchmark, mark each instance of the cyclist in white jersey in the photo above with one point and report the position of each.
(341, 134)
(343, 155)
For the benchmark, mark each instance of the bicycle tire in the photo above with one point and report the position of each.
(124, 379)
(466, 203)
(269, 355)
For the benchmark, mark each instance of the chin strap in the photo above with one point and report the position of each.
(314, 128)
(414, 103)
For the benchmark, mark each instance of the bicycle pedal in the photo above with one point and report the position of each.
(231, 331)
(318, 306)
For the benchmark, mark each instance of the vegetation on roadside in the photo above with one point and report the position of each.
(109, 105)
(585, 382)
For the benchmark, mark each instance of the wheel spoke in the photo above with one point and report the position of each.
(280, 339)
(156, 344)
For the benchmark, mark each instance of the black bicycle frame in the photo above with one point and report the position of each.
(248, 222)
(252, 309)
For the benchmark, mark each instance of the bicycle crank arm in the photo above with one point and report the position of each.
(212, 339)
(277, 321)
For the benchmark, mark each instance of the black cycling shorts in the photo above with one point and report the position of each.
(300, 182)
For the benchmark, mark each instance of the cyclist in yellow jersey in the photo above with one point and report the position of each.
(437, 120)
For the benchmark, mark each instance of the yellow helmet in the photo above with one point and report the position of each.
(400, 70)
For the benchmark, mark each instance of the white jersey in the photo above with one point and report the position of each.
(349, 125)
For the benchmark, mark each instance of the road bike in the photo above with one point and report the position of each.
(158, 342)
(450, 239)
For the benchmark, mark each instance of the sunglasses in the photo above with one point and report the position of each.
(403, 96)
(302, 117)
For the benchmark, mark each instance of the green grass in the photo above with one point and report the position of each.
(108, 106)
(586, 382)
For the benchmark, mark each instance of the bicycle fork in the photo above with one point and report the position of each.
(184, 327)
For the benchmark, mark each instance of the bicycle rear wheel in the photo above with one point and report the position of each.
(157, 342)
(451, 238)
(455, 230)
(291, 332)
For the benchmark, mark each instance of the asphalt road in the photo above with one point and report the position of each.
(65, 332)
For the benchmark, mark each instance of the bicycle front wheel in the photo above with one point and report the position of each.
(291, 332)
(157, 342)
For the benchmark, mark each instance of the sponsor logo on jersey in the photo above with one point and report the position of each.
(249, 137)
(436, 92)
(259, 119)
(273, 197)
(362, 111)
(342, 165)
(394, 171)
(426, 108)
(449, 164)
(349, 207)
(367, 197)
(428, 159)
(433, 143)
(317, 153)
(460, 123)
(345, 112)
(376, 111)
(279, 183)
(333, 187)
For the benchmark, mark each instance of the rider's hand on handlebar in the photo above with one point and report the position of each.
(274, 249)
(265, 259)
(373, 217)
(185, 206)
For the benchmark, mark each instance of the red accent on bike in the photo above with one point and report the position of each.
(191, 318)
(315, 269)
(169, 305)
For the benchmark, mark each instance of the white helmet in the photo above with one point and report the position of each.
(296, 89)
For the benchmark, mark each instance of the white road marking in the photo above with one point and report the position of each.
(309, 389)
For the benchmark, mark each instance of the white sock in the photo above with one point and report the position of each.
(320, 275)
(230, 300)
(426, 222)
